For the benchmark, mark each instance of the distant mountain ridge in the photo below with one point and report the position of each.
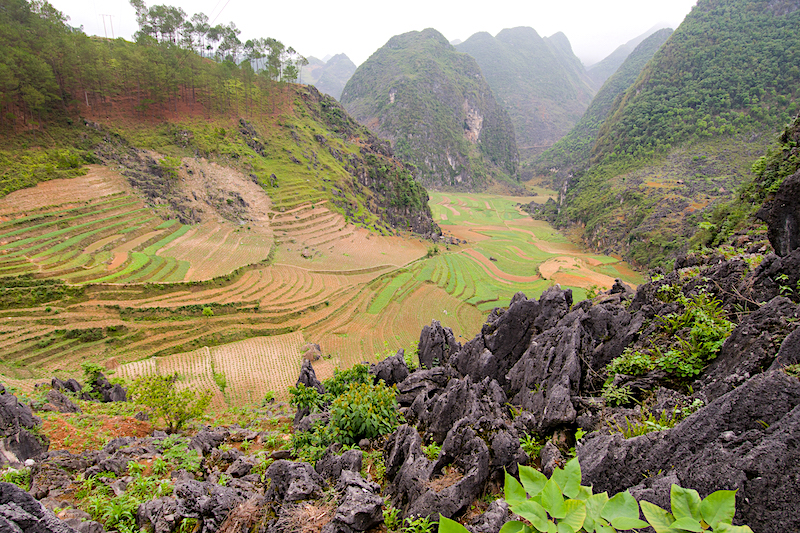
(437, 109)
(329, 76)
(540, 81)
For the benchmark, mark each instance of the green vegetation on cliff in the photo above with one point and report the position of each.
(539, 80)
(434, 105)
(684, 136)
(572, 151)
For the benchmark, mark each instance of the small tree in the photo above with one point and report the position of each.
(176, 407)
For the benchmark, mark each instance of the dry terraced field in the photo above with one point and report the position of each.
(89, 272)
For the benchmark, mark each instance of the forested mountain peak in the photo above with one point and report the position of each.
(433, 103)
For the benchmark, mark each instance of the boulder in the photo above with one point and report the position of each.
(361, 507)
(20, 512)
(309, 378)
(437, 345)
(60, 402)
(70, 385)
(391, 370)
(209, 502)
(782, 215)
(492, 520)
(208, 439)
(330, 466)
(291, 482)
(158, 515)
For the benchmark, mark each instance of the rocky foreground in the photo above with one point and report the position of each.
(536, 370)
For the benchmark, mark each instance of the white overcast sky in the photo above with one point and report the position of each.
(359, 27)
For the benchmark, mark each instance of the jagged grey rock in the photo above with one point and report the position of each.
(291, 482)
(19, 511)
(210, 503)
(391, 370)
(159, 515)
(208, 439)
(744, 440)
(331, 465)
(437, 345)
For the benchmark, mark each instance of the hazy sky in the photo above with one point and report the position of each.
(359, 27)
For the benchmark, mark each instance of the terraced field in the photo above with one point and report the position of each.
(88, 272)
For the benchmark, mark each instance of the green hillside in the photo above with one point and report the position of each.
(540, 82)
(434, 105)
(572, 151)
(686, 133)
(329, 77)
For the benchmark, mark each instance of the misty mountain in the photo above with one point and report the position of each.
(329, 76)
(601, 71)
(541, 83)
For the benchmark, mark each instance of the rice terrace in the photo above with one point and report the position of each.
(229, 306)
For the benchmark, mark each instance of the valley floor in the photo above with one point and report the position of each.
(229, 306)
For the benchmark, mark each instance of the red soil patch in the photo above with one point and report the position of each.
(65, 436)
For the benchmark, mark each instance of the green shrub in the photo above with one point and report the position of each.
(342, 379)
(617, 396)
(364, 411)
(631, 363)
(21, 478)
(175, 407)
(305, 397)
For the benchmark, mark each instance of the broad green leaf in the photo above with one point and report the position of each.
(576, 514)
(533, 513)
(658, 518)
(552, 528)
(514, 526)
(572, 483)
(560, 477)
(513, 491)
(584, 493)
(533, 480)
(687, 524)
(553, 500)
(603, 528)
(727, 528)
(450, 526)
(594, 506)
(621, 505)
(625, 523)
(718, 507)
(565, 528)
(685, 503)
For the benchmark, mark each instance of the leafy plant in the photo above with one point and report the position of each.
(617, 396)
(530, 445)
(562, 505)
(364, 411)
(432, 451)
(631, 363)
(21, 477)
(135, 469)
(160, 466)
(305, 397)
(391, 518)
(342, 379)
(421, 524)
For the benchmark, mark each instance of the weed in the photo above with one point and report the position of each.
(531, 445)
(617, 396)
(21, 478)
(432, 451)
(391, 518)
(418, 525)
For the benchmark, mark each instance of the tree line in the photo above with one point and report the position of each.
(49, 69)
